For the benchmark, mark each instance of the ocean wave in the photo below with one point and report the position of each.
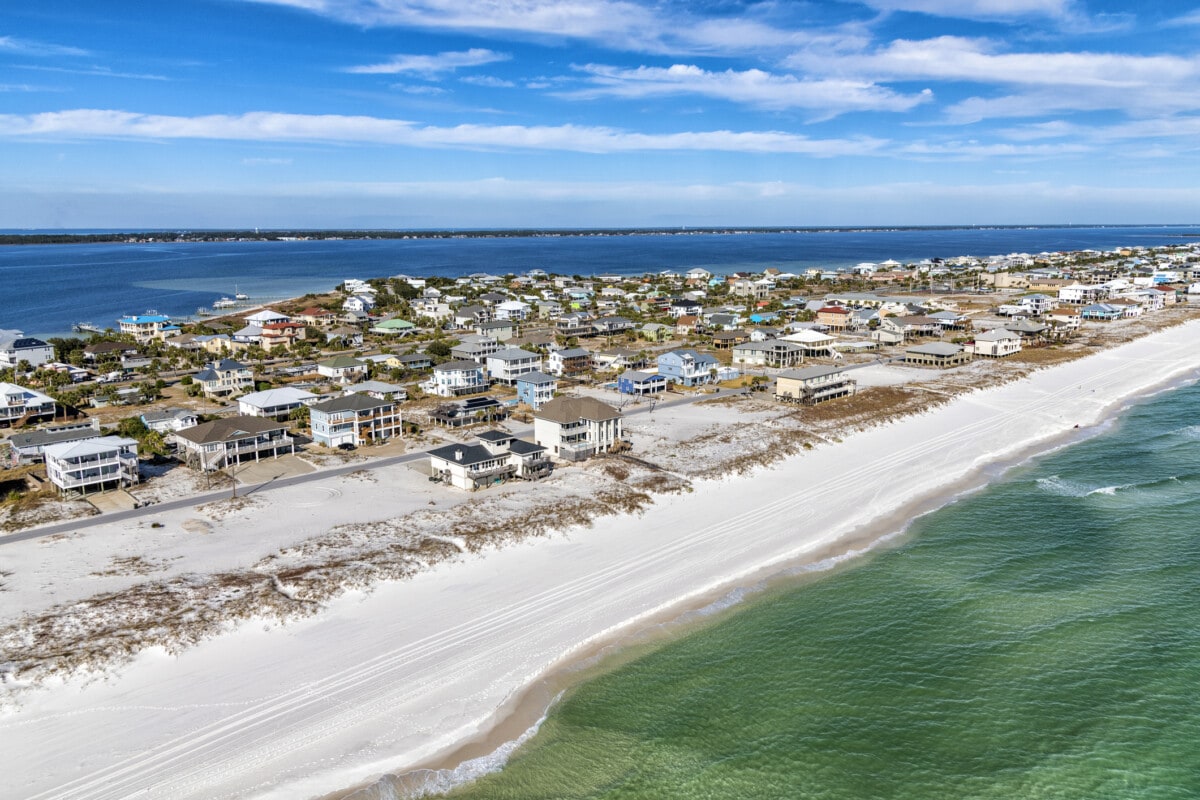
(1062, 487)
(429, 782)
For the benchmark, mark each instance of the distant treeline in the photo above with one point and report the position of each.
(291, 235)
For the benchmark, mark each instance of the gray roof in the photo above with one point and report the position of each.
(350, 402)
(936, 349)
(229, 429)
(495, 436)
(468, 453)
(573, 352)
(996, 335)
(536, 377)
(572, 409)
(512, 354)
(453, 366)
(21, 441)
(637, 376)
(808, 373)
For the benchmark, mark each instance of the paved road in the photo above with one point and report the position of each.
(282, 483)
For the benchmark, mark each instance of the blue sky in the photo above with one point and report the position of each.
(597, 113)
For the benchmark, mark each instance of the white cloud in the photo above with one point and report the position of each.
(622, 24)
(431, 64)
(28, 47)
(750, 87)
(100, 72)
(977, 9)
(958, 58)
(489, 81)
(268, 126)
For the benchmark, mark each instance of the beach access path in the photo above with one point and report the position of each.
(397, 677)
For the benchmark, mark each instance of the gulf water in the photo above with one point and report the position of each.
(47, 288)
(1037, 639)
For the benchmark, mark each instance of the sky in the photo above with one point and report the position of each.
(133, 114)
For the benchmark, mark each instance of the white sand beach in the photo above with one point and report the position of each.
(399, 675)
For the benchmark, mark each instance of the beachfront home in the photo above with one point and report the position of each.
(224, 378)
(147, 327)
(996, 343)
(354, 419)
(214, 445)
(514, 310)
(169, 420)
(771, 353)
(1101, 312)
(358, 304)
(575, 428)
(342, 369)
(936, 354)
(569, 362)
(266, 316)
(505, 366)
(498, 457)
(687, 367)
(535, 388)
(500, 330)
(1079, 295)
(813, 385)
(92, 464)
(16, 347)
(27, 448)
(618, 359)
(641, 383)
(576, 324)
(21, 406)
(315, 315)
(277, 404)
(455, 378)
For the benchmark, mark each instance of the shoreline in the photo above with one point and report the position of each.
(457, 673)
(520, 719)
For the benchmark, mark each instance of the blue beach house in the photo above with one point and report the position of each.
(640, 383)
(687, 367)
(535, 389)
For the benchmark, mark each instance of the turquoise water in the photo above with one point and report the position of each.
(1039, 639)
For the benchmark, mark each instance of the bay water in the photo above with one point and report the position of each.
(1039, 638)
(48, 288)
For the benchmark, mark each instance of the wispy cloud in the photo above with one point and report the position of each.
(623, 24)
(266, 162)
(100, 72)
(752, 87)
(29, 47)
(431, 65)
(488, 81)
(266, 126)
(978, 9)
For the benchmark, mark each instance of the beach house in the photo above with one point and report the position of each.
(505, 366)
(576, 428)
(570, 362)
(936, 354)
(996, 343)
(16, 347)
(94, 464)
(20, 406)
(224, 378)
(535, 388)
(354, 419)
(813, 385)
(27, 448)
(687, 367)
(343, 369)
(276, 404)
(168, 420)
(455, 378)
(641, 383)
(147, 327)
(499, 456)
(213, 445)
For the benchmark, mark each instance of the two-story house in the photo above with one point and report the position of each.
(505, 366)
(535, 389)
(354, 419)
(498, 457)
(570, 362)
(230, 440)
(813, 385)
(576, 428)
(224, 378)
(687, 367)
(456, 378)
(16, 347)
(92, 464)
